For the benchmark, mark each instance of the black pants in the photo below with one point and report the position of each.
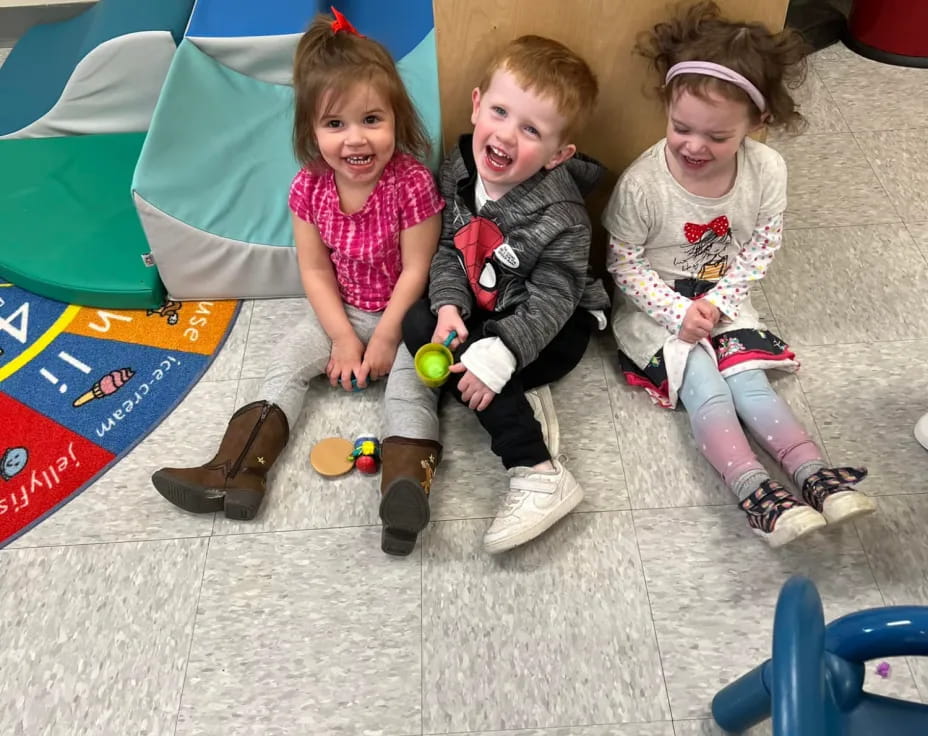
(515, 435)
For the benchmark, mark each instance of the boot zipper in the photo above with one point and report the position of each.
(251, 438)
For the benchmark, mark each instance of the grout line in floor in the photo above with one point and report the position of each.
(193, 631)
(448, 520)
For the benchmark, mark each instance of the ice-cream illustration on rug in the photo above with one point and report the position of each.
(105, 386)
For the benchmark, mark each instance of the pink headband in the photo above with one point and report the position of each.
(710, 69)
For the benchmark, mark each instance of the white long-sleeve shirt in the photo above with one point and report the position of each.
(661, 234)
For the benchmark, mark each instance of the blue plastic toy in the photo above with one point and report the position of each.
(813, 685)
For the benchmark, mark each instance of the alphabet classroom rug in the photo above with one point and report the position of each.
(80, 387)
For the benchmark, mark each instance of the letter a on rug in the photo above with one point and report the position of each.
(80, 387)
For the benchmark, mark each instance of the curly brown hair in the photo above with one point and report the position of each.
(328, 61)
(773, 62)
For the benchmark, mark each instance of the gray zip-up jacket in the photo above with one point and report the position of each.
(525, 257)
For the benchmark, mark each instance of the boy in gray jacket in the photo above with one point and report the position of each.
(512, 279)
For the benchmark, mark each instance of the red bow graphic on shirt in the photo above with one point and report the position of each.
(694, 231)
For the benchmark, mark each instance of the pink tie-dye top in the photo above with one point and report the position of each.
(365, 246)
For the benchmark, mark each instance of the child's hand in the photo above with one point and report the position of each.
(449, 318)
(474, 392)
(378, 357)
(710, 311)
(697, 323)
(345, 360)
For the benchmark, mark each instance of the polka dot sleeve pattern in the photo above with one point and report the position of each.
(749, 266)
(640, 283)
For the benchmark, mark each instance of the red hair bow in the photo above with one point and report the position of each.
(341, 23)
(695, 231)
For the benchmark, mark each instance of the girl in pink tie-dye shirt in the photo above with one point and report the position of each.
(366, 220)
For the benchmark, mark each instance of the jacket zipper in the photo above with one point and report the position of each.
(251, 438)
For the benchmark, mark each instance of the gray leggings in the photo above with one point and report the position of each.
(410, 407)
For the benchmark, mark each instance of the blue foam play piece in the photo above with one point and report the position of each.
(40, 65)
(238, 131)
(419, 70)
(399, 28)
(244, 18)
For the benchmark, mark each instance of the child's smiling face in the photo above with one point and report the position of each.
(704, 135)
(516, 134)
(356, 134)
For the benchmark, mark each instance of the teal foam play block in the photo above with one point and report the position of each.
(70, 229)
(218, 155)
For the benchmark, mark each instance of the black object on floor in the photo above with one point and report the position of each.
(821, 22)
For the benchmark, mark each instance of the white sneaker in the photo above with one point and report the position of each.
(536, 500)
(542, 403)
(921, 431)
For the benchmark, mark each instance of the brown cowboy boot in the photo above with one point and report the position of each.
(234, 479)
(408, 467)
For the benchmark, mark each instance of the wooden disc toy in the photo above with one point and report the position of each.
(332, 456)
